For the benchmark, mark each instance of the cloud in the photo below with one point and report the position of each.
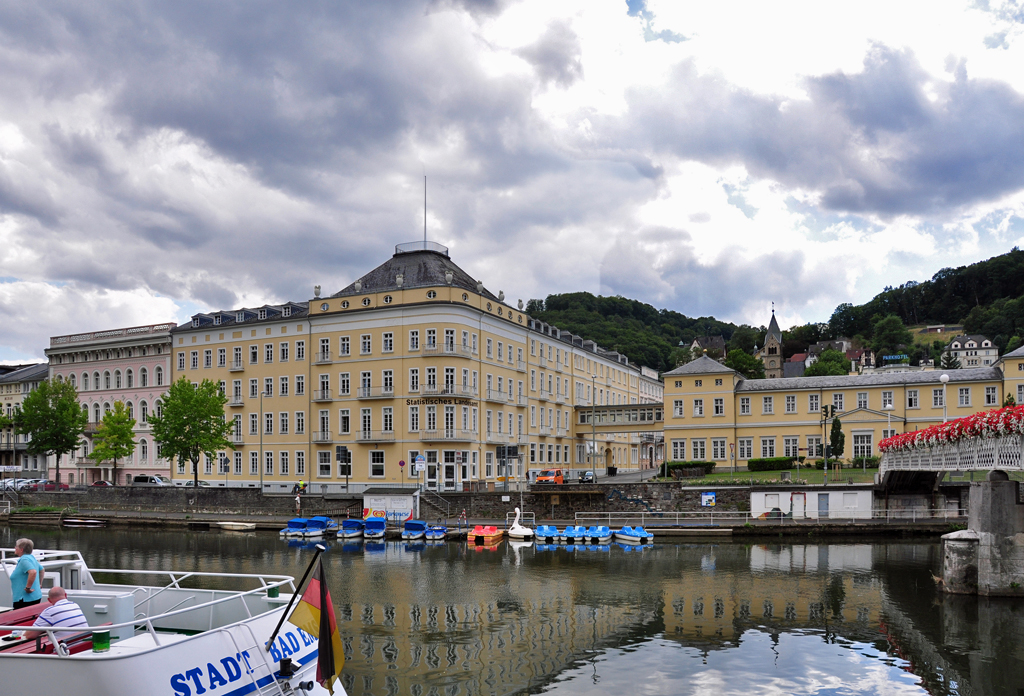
(556, 55)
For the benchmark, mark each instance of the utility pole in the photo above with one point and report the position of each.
(593, 424)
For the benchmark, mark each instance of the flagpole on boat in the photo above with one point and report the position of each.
(320, 548)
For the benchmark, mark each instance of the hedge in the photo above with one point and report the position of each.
(868, 462)
(704, 468)
(771, 464)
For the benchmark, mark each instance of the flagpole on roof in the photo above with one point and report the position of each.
(320, 548)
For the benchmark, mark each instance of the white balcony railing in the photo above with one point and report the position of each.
(376, 392)
(375, 436)
(322, 357)
(450, 435)
(236, 400)
(321, 395)
(322, 436)
(236, 366)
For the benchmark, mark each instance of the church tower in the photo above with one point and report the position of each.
(771, 353)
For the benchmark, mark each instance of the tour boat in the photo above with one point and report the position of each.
(77, 522)
(634, 535)
(296, 527)
(518, 531)
(486, 535)
(163, 639)
(237, 526)
(351, 529)
(436, 532)
(573, 535)
(548, 533)
(320, 526)
(599, 534)
(414, 529)
(375, 528)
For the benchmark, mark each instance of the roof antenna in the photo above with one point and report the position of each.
(425, 212)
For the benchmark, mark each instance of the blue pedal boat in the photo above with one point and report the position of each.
(574, 535)
(351, 529)
(319, 527)
(414, 529)
(634, 535)
(296, 527)
(548, 534)
(599, 534)
(375, 528)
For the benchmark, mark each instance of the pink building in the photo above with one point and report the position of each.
(130, 365)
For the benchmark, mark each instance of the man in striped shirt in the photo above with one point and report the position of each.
(61, 612)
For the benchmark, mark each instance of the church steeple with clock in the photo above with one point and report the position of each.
(771, 354)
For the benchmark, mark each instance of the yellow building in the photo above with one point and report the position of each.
(713, 413)
(415, 358)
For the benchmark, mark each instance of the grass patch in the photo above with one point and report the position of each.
(39, 508)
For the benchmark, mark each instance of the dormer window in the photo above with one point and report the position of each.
(195, 322)
(263, 314)
(286, 312)
(216, 320)
(240, 317)
(986, 344)
(956, 345)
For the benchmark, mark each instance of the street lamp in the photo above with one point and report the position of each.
(944, 378)
(260, 426)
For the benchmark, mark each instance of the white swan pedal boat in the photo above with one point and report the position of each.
(164, 640)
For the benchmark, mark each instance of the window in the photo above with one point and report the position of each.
(388, 377)
(268, 423)
(912, 399)
(268, 463)
(744, 405)
(254, 388)
(767, 447)
(767, 404)
(300, 354)
(300, 385)
(718, 448)
(284, 387)
(254, 463)
(862, 399)
(837, 401)
(791, 403)
(886, 400)
(490, 348)
(861, 445)
(283, 429)
(698, 383)
(814, 446)
(965, 396)
(238, 464)
(254, 424)
(300, 422)
(364, 344)
(990, 396)
(388, 342)
(284, 464)
(699, 452)
(388, 419)
(254, 355)
(719, 407)
(195, 360)
(414, 419)
(344, 346)
(323, 464)
(431, 338)
(790, 446)
(813, 403)
(300, 461)
(377, 463)
(284, 352)
(938, 400)
(159, 376)
(679, 450)
(414, 379)
(414, 340)
(222, 357)
(745, 445)
(698, 407)
(268, 386)
(344, 384)
(181, 363)
(268, 353)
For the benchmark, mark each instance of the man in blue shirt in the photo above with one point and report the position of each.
(27, 576)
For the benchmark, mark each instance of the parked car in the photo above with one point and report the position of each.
(46, 485)
(25, 483)
(14, 483)
(551, 476)
(154, 480)
(102, 483)
(202, 484)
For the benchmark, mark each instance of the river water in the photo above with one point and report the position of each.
(843, 617)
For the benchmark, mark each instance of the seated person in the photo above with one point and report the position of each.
(61, 612)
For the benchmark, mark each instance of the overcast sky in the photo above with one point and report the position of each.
(158, 159)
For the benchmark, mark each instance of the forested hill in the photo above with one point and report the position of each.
(644, 334)
(986, 297)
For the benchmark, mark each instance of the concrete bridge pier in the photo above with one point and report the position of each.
(987, 558)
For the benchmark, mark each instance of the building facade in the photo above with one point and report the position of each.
(972, 350)
(415, 359)
(713, 413)
(14, 387)
(131, 365)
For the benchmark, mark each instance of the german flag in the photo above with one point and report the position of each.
(314, 614)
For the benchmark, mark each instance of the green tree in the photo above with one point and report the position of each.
(192, 423)
(680, 355)
(1009, 401)
(745, 363)
(115, 436)
(1014, 343)
(54, 420)
(837, 438)
(743, 338)
(949, 362)
(830, 362)
(890, 336)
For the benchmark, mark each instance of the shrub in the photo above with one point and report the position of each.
(868, 462)
(690, 469)
(771, 464)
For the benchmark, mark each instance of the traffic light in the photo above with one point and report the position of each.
(828, 451)
(342, 455)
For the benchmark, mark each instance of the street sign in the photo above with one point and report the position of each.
(707, 499)
(401, 462)
(458, 456)
(420, 467)
(10, 469)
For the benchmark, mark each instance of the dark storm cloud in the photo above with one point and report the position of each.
(870, 142)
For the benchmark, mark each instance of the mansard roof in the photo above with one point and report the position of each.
(701, 366)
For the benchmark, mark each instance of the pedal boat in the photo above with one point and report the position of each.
(574, 535)
(159, 639)
(351, 529)
(547, 534)
(634, 535)
(486, 535)
(599, 535)
(296, 527)
(319, 527)
(518, 531)
(414, 529)
(375, 527)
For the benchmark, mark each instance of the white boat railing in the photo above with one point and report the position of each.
(527, 519)
(1005, 453)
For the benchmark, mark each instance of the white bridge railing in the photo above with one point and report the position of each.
(975, 454)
